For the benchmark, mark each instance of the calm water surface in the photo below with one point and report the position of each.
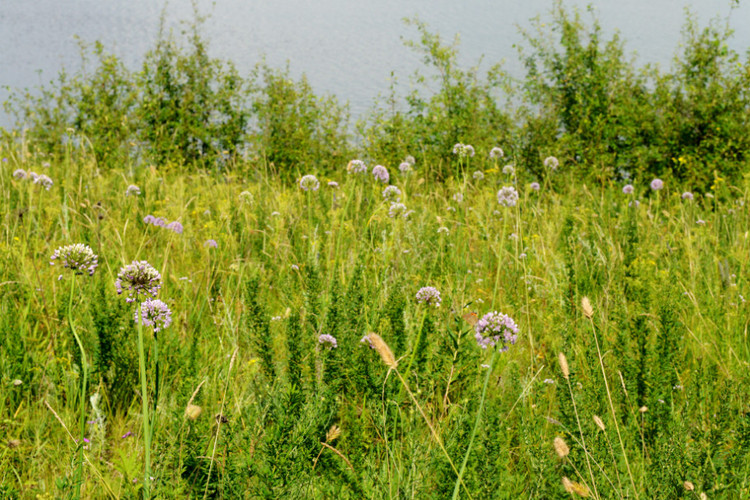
(345, 47)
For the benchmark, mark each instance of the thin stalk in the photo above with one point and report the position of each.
(82, 416)
(144, 399)
(476, 426)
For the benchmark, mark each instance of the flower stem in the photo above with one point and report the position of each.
(144, 399)
(84, 369)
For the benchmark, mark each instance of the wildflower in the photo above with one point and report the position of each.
(495, 328)
(463, 150)
(657, 184)
(535, 186)
(549, 381)
(509, 170)
(458, 197)
(328, 341)
(159, 222)
(295, 267)
(404, 167)
(126, 435)
(507, 196)
(478, 175)
(634, 203)
(77, 257)
(356, 167)
(19, 174)
(309, 183)
(469, 150)
(155, 313)
(149, 219)
(366, 339)
(429, 295)
(443, 229)
(138, 278)
(496, 153)
(211, 243)
(700, 222)
(33, 176)
(175, 226)
(392, 193)
(333, 184)
(551, 162)
(397, 210)
(410, 160)
(45, 181)
(380, 173)
(132, 190)
(246, 197)
(687, 195)
(628, 189)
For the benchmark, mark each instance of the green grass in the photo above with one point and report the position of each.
(668, 335)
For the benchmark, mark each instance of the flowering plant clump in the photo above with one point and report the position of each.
(328, 341)
(138, 278)
(463, 150)
(155, 313)
(356, 167)
(77, 257)
(132, 190)
(404, 167)
(507, 196)
(551, 162)
(392, 193)
(657, 184)
(496, 153)
(495, 328)
(309, 183)
(397, 210)
(380, 173)
(429, 295)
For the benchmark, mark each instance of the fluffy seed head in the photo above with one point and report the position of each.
(588, 311)
(688, 486)
(333, 433)
(561, 448)
(599, 423)
(564, 365)
(385, 352)
(192, 412)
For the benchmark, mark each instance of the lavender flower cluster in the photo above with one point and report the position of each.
(496, 329)
(356, 167)
(463, 150)
(309, 183)
(77, 257)
(429, 295)
(155, 313)
(41, 179)
(381, 174)
(507, 196)
(138, 278)
(162, 222)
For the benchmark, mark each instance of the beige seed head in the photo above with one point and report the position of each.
(564, 365)
(333, 433)
(599, 423)
(643, 409)
(385, 352)
(588, 311)
(688, 486)
(568, 485)
(193, 412)
(561, 448)
(14, 443)
(581, 490)
(703, 495)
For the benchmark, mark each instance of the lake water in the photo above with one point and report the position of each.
(345, 47)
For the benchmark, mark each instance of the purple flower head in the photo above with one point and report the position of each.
(132, 190)
(392, 193)
(404, 167)
(551, 162)
(77, 257)
(496, 329)
(496, 153)
(211, 243)
(175, 226)
(333, 184)
(138, 278)
(19, 174)
(657, 184)
(628, 189)
(160, 222)
(380, 173)
(309, 183)
(33, 176)
(328, 341)
(45, 181)
(397, 210)
(507, 196)
(429, 295)
(126, 435)
(535, 186)
(687, 195)
(149, 219)
(356, 167)
(155, 313)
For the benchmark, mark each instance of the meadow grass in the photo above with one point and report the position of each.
(651, 398)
